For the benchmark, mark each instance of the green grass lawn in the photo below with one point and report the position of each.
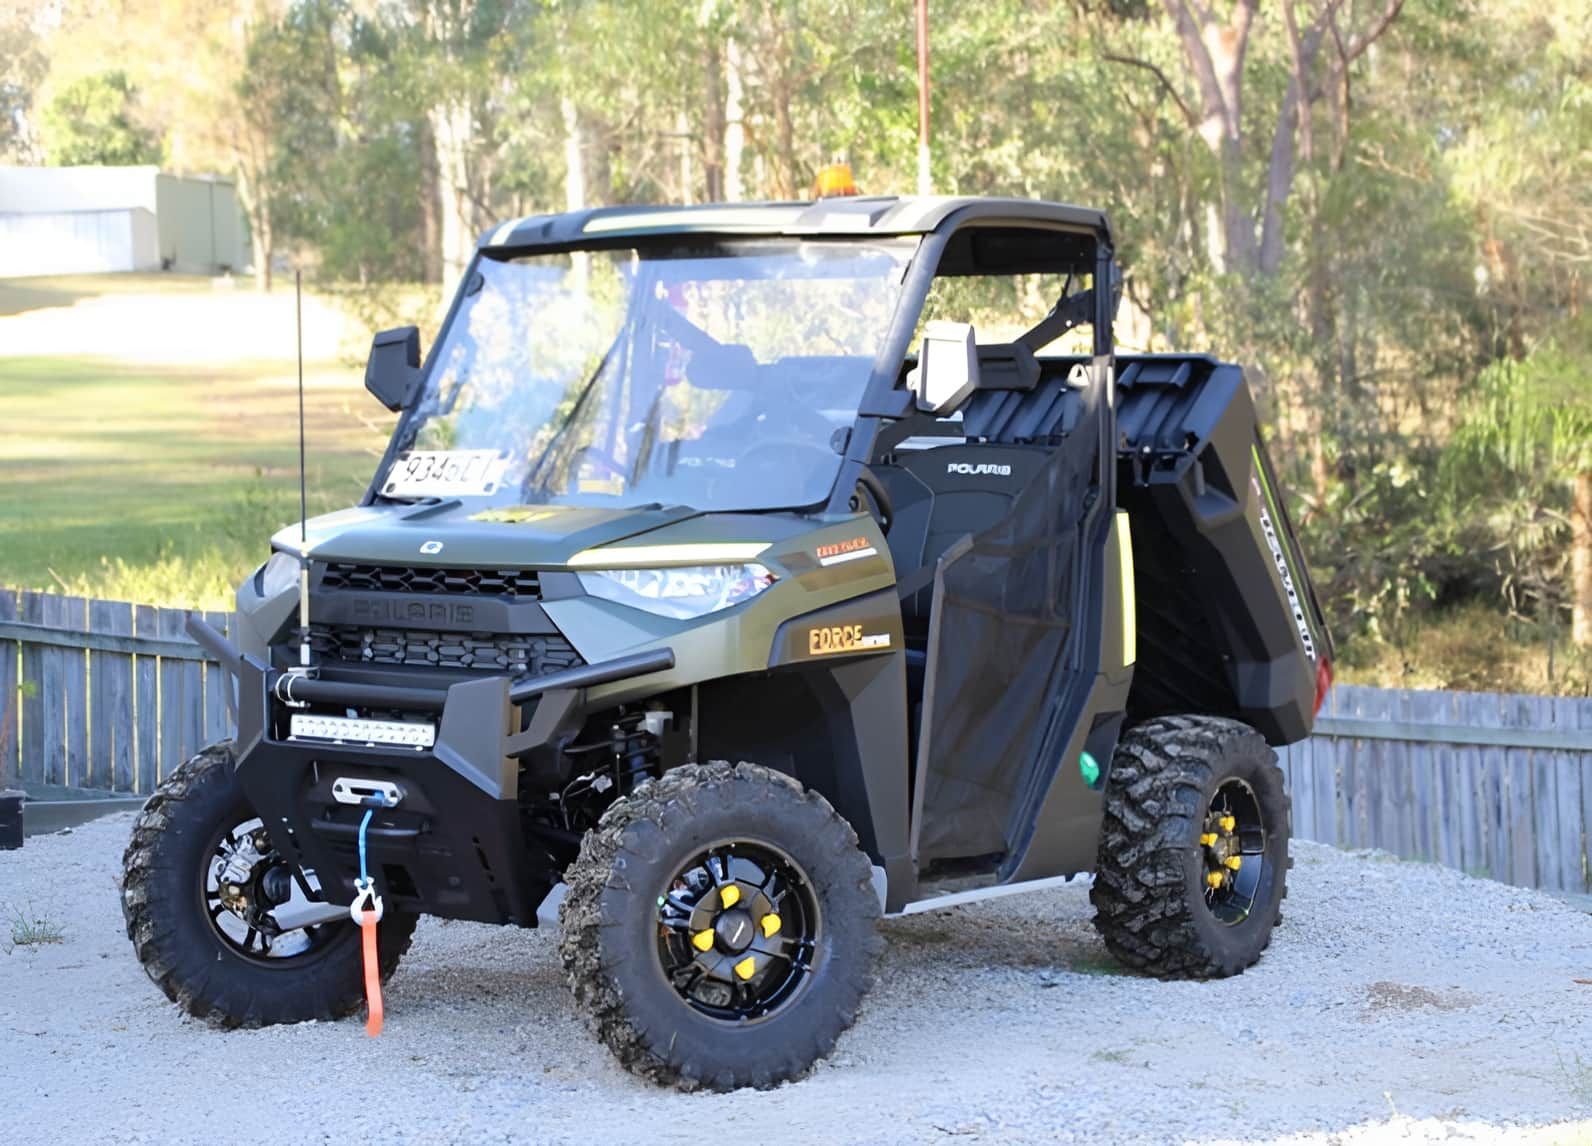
(163, 484)
(19, 295)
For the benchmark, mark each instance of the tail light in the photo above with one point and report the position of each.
(1323, 683)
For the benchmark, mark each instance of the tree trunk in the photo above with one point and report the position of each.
(712, 146)
(734, 122)
(430, 204)
(1581, 561)
(258, 212)
(452, 130)
(574, 157)
(260, 242)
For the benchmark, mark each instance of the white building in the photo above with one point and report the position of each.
(83, 220)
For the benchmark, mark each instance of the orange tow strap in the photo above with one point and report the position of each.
(366, 911)
(372, 975)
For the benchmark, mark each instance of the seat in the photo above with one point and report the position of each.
(939, 495)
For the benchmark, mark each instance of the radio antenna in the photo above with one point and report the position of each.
(304, 503)
(298, 330)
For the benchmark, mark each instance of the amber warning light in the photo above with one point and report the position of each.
(835, 180)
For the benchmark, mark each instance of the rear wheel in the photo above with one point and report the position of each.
(1194, 848)
(207, 898)
(719, 927)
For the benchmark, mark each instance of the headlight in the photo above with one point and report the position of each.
(685, 593)
(279, 574)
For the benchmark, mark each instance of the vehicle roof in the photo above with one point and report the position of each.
(878, 215)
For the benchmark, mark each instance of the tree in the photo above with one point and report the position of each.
(22, 67)
(1524, 451)
(1216, 49)
(94, 122)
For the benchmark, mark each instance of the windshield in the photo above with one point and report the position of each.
(714, 376)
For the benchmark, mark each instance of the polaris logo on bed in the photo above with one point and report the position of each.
(968, 469)
(1294, 603)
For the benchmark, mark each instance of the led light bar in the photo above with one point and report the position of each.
(351, 730)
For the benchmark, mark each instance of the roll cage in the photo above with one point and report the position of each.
(958, 237)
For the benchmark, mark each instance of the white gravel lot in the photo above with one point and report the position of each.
(1398, 1002)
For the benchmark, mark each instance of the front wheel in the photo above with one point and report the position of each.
(1193, 856)
(207, 901)
(720, 927)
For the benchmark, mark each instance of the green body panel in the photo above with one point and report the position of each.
(393, 534)
(727, 643)
(737, 640)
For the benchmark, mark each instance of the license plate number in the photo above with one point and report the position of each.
(445, 473)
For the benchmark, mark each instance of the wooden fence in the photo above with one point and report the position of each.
(102, 694)
(1493, 784)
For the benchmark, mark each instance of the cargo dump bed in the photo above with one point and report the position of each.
(1228, 621)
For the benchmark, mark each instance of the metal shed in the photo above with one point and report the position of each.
(85, 220)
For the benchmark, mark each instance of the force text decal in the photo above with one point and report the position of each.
(844, 639)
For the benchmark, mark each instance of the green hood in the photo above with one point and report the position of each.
(450, 534)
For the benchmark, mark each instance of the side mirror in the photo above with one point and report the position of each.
(393, 369)
(947, 372)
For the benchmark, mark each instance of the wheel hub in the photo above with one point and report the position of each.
(734, 930)
(1232, 845)
(244, 880)
(737, 931)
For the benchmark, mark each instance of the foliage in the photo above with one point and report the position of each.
(22, 67)
(30, 929)
(95, 121)
(1385, 215)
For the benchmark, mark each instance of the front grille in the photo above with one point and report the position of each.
(519, 583)
(515, 654)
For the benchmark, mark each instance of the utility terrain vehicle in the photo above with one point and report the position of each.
(721, 590)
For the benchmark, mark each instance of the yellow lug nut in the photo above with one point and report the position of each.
(1228, 823)
(746, 967)
(1208, 839)
(1216, 878)
(1233, 863)
(770, 925)
(702, 940)
(729, 896)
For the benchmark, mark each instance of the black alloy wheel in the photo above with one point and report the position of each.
(738, 929)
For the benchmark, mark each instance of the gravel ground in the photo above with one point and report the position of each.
(1398, 1001)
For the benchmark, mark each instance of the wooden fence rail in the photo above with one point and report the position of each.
(102, 694)
(1493, 784)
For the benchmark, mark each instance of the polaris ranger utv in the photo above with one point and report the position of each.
(720, 590)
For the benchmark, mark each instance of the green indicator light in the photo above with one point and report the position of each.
(1089, 769)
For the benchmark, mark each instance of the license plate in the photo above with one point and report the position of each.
(445, 473)
(354, 730)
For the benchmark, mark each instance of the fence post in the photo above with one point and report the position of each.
(146, 703)
(111, 699)
(10, 698)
